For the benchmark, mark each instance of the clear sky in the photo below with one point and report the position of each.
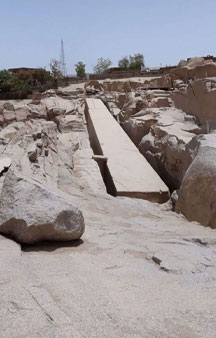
(165, 31)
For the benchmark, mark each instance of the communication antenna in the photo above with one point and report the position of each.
(62, 60)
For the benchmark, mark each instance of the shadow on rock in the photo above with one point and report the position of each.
(51, 246)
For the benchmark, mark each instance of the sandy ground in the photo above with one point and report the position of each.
(139, 271)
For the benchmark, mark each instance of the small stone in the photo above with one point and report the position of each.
(39, 144)
(32, 153)
(1, 120)
(9, 116)
(34, 136)
(5, 163)
(36, 102)
(8, 106)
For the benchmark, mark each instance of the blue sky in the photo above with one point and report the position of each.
(165, 31)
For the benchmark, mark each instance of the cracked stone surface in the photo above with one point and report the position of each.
(140, 270)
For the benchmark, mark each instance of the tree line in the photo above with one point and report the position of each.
(131, 62)
(24, 81)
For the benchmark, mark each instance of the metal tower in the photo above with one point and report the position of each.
(62, 60)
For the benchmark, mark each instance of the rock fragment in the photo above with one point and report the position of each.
(30, 212)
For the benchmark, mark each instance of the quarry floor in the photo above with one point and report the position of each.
(139, 271)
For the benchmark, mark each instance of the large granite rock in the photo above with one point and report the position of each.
(163, 82)
(195, 68)
(133, 105)
(159, 130)
(93, 87)
(164, 145)
(197, 194)
(138, 127)
(198, 97)
(30, 212)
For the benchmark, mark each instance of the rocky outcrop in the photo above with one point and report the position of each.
(163, 82)
(21, 111)
(131, 245)
(29, 212)
(162, 135)
(197, 194)
(121, 86)
(195, 68)
(136, 103)
(93, 87)
(128, 85)
(48, 108)
(198, 98)
(138, 127)
(164, 148)
(159, 130)
(132, 105)
(50, 148)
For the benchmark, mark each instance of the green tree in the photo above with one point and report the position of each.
(137, 61)
(5, 75)
(80, 69)
(42, 76)
(102, 65)
(24, 81)
(14, 82)
(5, 81)
(55, 69)
(124, 63)
(21, 82)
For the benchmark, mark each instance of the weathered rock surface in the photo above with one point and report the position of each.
(197, 194)
(93, 87)
(195, 68)
(5, 163)
(29, 212)
(159, 130)
(164, 145)
(198, 97)
(140, 267)
(137, 266)
(163, 82)
(161, 135)
(127, 85)
(138, 127)
(57, 155)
